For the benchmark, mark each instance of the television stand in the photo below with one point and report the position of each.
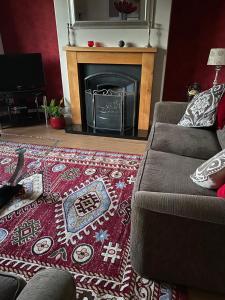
(21, 107)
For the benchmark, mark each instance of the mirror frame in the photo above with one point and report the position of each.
(149, 8)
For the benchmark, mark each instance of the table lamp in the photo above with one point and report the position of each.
(217, 59)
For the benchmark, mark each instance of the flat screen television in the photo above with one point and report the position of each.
(20, 72)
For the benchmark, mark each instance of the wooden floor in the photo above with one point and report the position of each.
(75, 140)
(49, 135)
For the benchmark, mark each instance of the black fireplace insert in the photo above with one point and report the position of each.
(110, 102)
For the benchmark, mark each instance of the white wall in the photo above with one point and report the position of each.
(61, 15)
(1, 46)
(110, 37)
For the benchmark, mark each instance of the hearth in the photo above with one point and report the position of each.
(110, 102)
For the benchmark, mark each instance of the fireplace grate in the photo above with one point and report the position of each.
(110, 101)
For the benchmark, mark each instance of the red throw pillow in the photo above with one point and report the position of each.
(221, 113)
(221, 191)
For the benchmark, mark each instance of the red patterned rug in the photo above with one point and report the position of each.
(81, 222)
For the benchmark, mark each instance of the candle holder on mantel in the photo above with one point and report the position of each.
(149, 36)
(151, 21)
(70, 35)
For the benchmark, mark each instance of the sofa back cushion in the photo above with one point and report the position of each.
(169, 173)
(192, 142)
(221, 137)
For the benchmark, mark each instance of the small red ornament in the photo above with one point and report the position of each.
(91, 43)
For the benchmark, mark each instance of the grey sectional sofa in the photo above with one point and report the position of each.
(45, 285)
(178, 228)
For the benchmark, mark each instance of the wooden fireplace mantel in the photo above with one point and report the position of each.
(112, 55)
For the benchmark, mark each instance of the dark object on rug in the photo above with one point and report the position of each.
(7, 192)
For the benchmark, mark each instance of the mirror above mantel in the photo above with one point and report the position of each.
(111, 13)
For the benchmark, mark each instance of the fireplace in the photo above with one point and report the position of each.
(115, 98)
(110, 102)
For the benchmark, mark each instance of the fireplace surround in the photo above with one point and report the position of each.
(84, 118)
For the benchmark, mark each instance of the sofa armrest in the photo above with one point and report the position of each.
(202, 208)
(10, 285)
(169, 112)
(49, 284)
(179, 239)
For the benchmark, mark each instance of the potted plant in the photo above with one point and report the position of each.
(55, 112)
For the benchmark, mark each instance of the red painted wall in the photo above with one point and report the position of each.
(29, 26)
(196, 27)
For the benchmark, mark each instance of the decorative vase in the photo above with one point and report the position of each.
(57, 122)
(125, 8)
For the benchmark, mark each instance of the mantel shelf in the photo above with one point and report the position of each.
(111, 49)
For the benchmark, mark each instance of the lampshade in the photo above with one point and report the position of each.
(216, 57)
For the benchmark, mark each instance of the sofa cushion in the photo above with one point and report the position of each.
(169, 173)
(193, 142)
(211, 174)
(201, 111)
(10, 286)
(50, 284)
(221, 137)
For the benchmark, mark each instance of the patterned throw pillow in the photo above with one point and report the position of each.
(211, 174)
(201, 111)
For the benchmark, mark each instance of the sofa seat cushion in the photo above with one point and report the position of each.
(169, 173)
(221, 137)
(10, 286)
(192, 142)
